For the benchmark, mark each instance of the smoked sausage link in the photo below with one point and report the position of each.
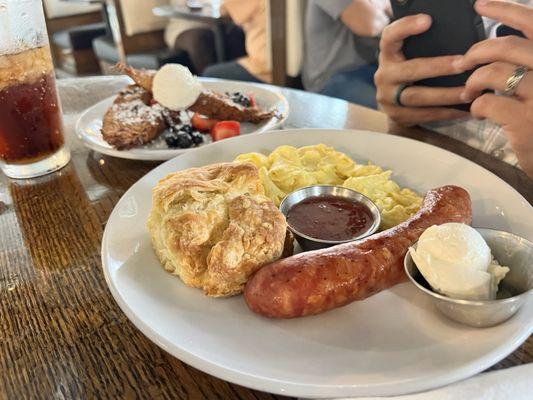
(314, 282)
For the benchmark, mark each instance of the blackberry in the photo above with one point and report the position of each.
(178, 140)
(184, 140)
(171, 139)
(186, 128)
(197, 138)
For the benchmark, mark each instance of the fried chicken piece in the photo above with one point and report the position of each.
(133, 123)
(220, 106)
(142, 77)
(211, 104)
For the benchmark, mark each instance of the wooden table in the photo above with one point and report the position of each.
(62, 334)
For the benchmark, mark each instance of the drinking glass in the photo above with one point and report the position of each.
(31, 127)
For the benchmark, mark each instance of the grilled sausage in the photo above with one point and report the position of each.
(314, 282)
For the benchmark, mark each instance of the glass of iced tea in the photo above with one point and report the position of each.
(31, 127)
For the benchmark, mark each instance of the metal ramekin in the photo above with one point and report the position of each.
(511, 251)
(310, 243)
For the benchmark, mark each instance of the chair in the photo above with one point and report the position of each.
(285, 29)
(72, 28)
(137, 37)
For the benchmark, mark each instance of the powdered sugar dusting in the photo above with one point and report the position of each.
(136, 112)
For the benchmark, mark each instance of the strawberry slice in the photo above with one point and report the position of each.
(225, 129)
(201, 123)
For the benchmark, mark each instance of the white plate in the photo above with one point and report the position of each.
(88, 127)
(392, 343)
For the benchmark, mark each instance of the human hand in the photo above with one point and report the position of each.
(419, 104)
(500, 58)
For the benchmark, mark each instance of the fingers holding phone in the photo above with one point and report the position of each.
(511, 49)
(517, 16)
(411, 105)
(509, 72)
(393, 36)
(501, 57)
(494, 77)
(420, 74)
(505, 60)
(394, 80)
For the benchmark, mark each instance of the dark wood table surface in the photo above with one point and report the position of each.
(62, 336)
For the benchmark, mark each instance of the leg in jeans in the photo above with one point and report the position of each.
(199, 43)
(229, 70)
(233, 39)
(355, 86)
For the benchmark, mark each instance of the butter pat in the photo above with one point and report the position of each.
(174, 87)
(457, 262)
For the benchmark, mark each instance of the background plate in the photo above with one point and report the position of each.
(90, 123)
(393, 343)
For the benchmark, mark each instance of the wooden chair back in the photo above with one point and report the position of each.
(134, 27)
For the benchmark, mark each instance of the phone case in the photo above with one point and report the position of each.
(456, 27)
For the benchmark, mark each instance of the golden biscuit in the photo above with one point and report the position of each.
(214, 226)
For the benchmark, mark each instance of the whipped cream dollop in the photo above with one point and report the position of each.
(174, 87)
(457, 262)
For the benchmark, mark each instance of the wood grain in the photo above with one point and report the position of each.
(61, 333)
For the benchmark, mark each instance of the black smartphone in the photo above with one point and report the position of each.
(456, 27)
(504, 30)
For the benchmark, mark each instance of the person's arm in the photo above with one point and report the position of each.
(362, 17)
(241, 11)
(419, 104)
(500, 58)
(367, 17)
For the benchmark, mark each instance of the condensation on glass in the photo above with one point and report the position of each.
(31, 127)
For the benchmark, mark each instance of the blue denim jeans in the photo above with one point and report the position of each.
(356, 86)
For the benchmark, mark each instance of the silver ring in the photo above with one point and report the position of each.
(399, 91)
(514, 80)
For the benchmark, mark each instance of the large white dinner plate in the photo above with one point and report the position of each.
(392, 343)
(89, 125)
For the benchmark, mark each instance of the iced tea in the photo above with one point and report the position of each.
(30, 117)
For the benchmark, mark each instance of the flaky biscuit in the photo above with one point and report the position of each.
(214, 227)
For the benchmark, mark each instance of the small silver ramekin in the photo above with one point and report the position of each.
(309, 243)
(511, 251)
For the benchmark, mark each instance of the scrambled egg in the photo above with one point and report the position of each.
(289, 168)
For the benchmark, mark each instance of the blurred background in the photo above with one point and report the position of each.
(304, 44)
(89, 36)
